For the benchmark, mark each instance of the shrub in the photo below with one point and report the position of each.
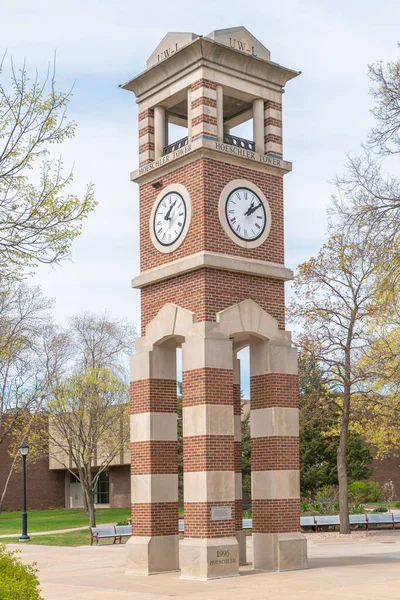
(380, 509)
(17, 581)
(123, 523)
(303, 506)
(328, 493)
(357, 510)
(360, 492)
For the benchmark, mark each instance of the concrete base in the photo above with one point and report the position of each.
(241, 538)
(279, 551)
(211, 558)
(146, 555)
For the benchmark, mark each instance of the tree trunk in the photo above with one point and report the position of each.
(92, 514)
(8, 481)
(342, 465)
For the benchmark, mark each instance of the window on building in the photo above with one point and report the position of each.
(101, 495)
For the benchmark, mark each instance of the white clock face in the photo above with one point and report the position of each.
(245, 214)
(169, 218)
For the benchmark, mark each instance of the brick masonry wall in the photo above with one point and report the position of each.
(45, 487)
(120, 487)
(208, 291)
(205, 179)
(385, 469)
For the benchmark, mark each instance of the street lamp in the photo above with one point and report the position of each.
(24, 449)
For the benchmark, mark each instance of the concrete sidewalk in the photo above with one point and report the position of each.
(17, 535)
(365, 567)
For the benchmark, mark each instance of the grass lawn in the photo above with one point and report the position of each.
(48, 520)
(76, 538)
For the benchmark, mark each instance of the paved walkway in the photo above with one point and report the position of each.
(365, 567)
(17, 535)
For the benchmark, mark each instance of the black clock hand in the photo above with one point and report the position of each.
(250, 209)
(169, 210)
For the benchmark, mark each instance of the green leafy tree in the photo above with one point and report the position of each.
(39, 218)
(319, 423)
(17, 581)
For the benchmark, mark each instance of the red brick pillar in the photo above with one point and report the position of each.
(273, 128)
(153, 547)
(237, 410)
(203, 114)
(210, 547)
(146, 136)
(277, 541)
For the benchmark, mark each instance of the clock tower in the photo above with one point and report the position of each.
(212, 280)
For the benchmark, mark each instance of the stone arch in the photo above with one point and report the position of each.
(248, 318)
(171, 321)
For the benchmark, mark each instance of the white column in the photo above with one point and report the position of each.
(159, 131)
(258, 124)
(189, 114)
(220, 113)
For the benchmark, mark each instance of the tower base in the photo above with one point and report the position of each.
(209, 558)
(279, 551)
(148, 555)
(241, 538)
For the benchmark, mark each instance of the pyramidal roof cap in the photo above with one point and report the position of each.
(240, 38)
(237, 38)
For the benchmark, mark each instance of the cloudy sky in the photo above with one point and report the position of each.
(102, 44)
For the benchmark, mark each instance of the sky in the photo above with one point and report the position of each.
(100, 45)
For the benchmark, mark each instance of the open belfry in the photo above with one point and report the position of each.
(212, 280)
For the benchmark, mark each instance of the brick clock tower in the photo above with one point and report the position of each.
(212, 280)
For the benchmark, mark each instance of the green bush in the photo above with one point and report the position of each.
(380, 509)
(360, 492)
(328, 493)
(17, 581)
(357, 510)
(303, 506)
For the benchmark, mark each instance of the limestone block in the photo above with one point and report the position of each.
(279, 551)
(154, 426)
(274, 421)
(154, 488)
(147, 555)
(211, 558)
(275, 485)
(241, 538)
(199, 352)
(209, 486)
(208, 419)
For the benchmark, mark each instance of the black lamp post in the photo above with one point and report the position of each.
(24, 449)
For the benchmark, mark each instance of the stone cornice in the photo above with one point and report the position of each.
(208, 148)
(209, 52)
(212, 260)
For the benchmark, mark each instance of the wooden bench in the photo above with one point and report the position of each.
(116, 532)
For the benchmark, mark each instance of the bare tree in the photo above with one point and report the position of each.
(88, 426)
(38, 218)
(385, 137)
(87, 401)
(334, 301)
(24, 311)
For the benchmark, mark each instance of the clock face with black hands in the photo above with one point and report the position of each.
(245, 213)
(169, 218)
